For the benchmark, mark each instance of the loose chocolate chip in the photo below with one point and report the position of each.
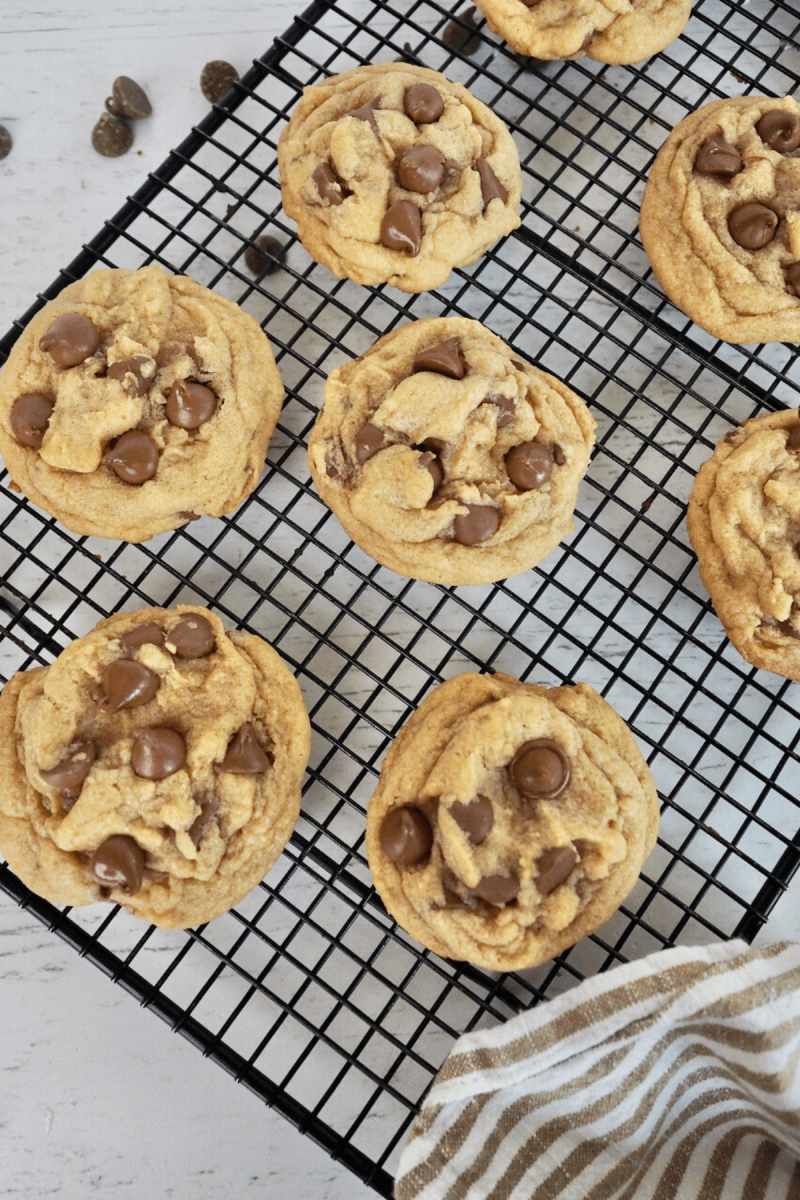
(491, 187)
(192, 637)
(718, 157)
(29, 419)
(366, 112)
(780, 130)
(5, 142)
(559, 457)
(70, 339)
(190, 404)
(133, 457)
(752, 226)
(148, 634)
(406, 836)
(217, 78)
(264, 257)
(458, 38)
(330, 187)
(118, 862)
(445, 359)
(529, 466)
(792, 273)
(431, 463)
(245, 755)
(423, 104)
(475, 818)
(421, 169)
(497, 889)
(127, 684)
(70, 773)
(476, 525)
(199, 828)
(401, 228)
(111, 137)
(129, 99)
(131, 374)
(553, 867)
(540, 769)
(369, 440)
(158, 753)
(506, 409)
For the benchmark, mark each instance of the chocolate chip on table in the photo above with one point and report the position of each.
(780, 130)
(264, 257)
(401, 228)
(157, 753)
(332, 190)
(217, 78)
(444, 359)
(29, 419)
(431, 464)
(245, 755)
(70, 339)
(475, 818)
(127, 684)
(406, 836)
(529, 466)
(111, 137)
(133, 457)
(118, 862)
(70, 773)
(506, 409)
(423, 104)
(129, 372)
(421, 169)
(127, 99)
(497, 889)
(478, 524)
(199, 828)
(716, 156)
(752, 226)
(369, 440)
(540, 769)
(458, 38)
(6, 142)
(148, 634)
(491, 187)
(192, 637)
(553, 867)
(190, 404)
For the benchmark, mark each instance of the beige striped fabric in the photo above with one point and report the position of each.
(673, 1078)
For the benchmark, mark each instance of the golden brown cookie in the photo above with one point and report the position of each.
(720, 218)
(610, 31)
(744, 524)
(156, 763)
(136, 401)
(447, 458)
(394, 174)
(510, 820)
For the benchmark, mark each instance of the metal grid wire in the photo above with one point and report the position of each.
(308, 993)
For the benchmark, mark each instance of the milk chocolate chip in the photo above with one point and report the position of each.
(497, 889)
(444, 359)
(131, 374)
(190, 404)
(792, 273)
(793, 440)
(423, 104)
(553, 867)
(127, 684)
(406, 836)
(529, 466)
(780, 130)
(148, 634)
(491, 187)
(133, 456)
(244, 755)
(431, 463)
(752, 226)
(158, 753)
(540, 769)
(366, 112)
(369, 440)
(118, 862)
(70, 339)
(199, 827)
(476, 525)
(421, 169)
(506, 409)
(475, 818)
(72, 770)
(401, 228)
(30, 417)
(718, 157)
(192, 637)
(332, 190)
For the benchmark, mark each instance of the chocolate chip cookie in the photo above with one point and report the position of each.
(447, 458)
(510, 820)
(135, 402)
(156, 763)
(744, 524)
(720, 218)
(394, 174)
(610, 31)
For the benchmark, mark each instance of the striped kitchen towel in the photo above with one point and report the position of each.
(672, 1078)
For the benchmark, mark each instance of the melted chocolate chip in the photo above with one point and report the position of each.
(780, 130)
(70, 773)
(118, 862)
(158, 753)
(478, 524)
(128, 99)
(540, 769)
(190, 404)
(192, 637)
(133, 457)
(199, 828)
(553, 867)
(369, 440)
(332, 190)
(401, 228)
(127, 684)
(752, 226)
(421, 169)
(718, 157)
(491, 187)
(148, 634)
(245, 755)
(128, 371)
(70, 339)
(431, 463)
(529, 466)
(217, 78)
(497, 889)
(406, 836)
(792, 273)
(506, 409)
(444, 359)
(475, 818)
(366, 112)
(793, 438)
(423, 104)
(30, 417)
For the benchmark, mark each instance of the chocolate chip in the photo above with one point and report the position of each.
(195, 356)
(529, 466)
(118, 862)
(199, 828)
(29, 419)
(458, 38)
(475, 818)
(190, 404)
(366, 112)
(406, 836)
(451, 899)
(752, 226)
(445, 359)
(332, 190)
(491, 187)
(780, 130)
(148, 634)
(133, 457)
(788, 629)
(559, 458)
(217, 78)
(192, 637)
(423, 104)
(111, 137)
(264, 257)
(553, 867)
(369, 440)
(70, 773)
(476, 525)
(520, 366)
(421, 169)
(158, 753)
(127, 684)
(185, 515)
(6, 142)
(130, 373)
(497, 889)
(128, 99)
(70, 339)
(792, 273)
(431, 463)
(401, 227)
(506, 409)
(540, 769)
(245, 755)
(718, 157)
(434, 445)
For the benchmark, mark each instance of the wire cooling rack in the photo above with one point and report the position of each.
(308, 993)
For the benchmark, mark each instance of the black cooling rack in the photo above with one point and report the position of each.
(308, 993)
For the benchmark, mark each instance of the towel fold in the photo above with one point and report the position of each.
(672, 1078)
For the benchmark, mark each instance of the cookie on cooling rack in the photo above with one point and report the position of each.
(625, 31)
(744, 524)
(157, 763)
(395, 175)
(720, 218)
(510, 820)
(135, 402)
(447, 458)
